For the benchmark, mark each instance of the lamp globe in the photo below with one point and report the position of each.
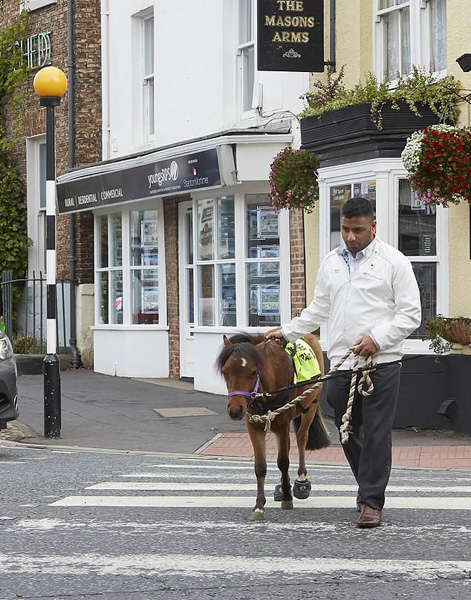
(50, 82)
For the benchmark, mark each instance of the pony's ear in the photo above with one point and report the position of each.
(261, 346)
(227, 341)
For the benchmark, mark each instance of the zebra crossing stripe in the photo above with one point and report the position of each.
(315, 502)
(213, 487)
(127, 565)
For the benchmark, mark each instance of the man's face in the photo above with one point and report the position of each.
(357, 232)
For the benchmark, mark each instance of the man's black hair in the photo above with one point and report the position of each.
(358, 207)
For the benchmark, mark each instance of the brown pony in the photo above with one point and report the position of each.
(251, 364)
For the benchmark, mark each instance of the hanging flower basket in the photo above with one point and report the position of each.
(438, 160)
(293, 180)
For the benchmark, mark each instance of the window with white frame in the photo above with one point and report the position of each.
(143, 77)
(36, 176)
(129, 272)
(246, 53)
(238, 264)
(148, 77)
(416, 225)
(417, 239)
(397, 50)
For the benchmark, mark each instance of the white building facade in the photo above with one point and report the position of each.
(187, 246)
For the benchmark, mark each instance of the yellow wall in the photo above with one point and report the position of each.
(459, 42)
(354, 49)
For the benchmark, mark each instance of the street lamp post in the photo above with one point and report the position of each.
(50, 84)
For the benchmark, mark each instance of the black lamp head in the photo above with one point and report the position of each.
(464, 62)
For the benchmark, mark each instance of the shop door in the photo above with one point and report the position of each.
(187, 303)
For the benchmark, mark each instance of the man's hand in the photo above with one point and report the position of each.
(275, 335)
(365, 347)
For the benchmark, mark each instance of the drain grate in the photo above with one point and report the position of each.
(188, 411)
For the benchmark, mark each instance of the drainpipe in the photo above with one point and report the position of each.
(332, 35)
(76, 360)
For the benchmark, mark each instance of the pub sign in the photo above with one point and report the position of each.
(291, 35)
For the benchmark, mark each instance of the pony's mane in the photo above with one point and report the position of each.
(244, 344)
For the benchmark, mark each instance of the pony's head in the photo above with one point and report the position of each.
(240, 362)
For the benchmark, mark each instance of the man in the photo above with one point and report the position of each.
(367, 293)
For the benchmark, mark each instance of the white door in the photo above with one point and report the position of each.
(186, 281)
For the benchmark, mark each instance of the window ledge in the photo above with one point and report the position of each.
(31, 5)
(129, 328)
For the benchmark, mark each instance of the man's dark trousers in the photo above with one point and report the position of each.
(369, 446)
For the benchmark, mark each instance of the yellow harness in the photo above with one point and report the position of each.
(305, 362)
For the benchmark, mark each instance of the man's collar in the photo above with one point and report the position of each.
(344, 251)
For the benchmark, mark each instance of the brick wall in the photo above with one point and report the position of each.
(173, 292)
(87, 111)
(298, 279)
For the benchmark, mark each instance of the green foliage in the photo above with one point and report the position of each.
(434, 325)
(13, 70)
(293, 180)
(443, 332)
(418, 88)
(14, 241)
(28, 345)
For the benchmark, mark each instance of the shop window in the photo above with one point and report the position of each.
(110, 269)
(262, 262)
(397, 51)
(216, 261)
(418, 241)
(144, 246)
(246, 53)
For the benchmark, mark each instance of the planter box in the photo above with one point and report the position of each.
(434, 394)
(348, 134)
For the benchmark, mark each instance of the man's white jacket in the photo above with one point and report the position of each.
(380, 299)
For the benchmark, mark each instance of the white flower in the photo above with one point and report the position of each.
(411, 153)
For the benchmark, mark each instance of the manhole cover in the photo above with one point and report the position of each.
(193, 411)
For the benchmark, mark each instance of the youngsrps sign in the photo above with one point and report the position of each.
(173, 176)
(291, 35)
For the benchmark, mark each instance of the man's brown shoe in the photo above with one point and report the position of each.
(369, 517)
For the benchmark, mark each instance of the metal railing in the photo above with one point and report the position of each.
(24, 312)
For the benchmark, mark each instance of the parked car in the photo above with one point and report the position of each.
(8, 389)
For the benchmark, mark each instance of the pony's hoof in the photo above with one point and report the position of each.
(302, 489)
(258, 514)
(278, 493)
(287, 504)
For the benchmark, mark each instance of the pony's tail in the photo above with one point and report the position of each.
(318, 436)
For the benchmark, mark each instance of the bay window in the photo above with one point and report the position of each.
(403, 221)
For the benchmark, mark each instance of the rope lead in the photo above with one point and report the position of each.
(365, 380)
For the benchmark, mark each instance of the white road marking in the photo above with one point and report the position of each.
(237, 527)
(198, 565)
(218, 466)
(427, 502)
(210, 487)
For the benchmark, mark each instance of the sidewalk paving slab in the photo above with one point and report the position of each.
(103, 412)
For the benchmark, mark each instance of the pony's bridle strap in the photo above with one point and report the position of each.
(253, 394)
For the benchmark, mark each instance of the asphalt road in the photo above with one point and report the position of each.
(77, 525)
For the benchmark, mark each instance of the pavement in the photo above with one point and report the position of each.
(100, 412)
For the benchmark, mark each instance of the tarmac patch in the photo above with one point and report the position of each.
(188, 411)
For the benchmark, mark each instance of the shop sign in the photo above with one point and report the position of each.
(174, 176)
(37, 50)
(291, 35)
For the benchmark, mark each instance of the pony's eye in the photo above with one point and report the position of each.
(253, 373)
